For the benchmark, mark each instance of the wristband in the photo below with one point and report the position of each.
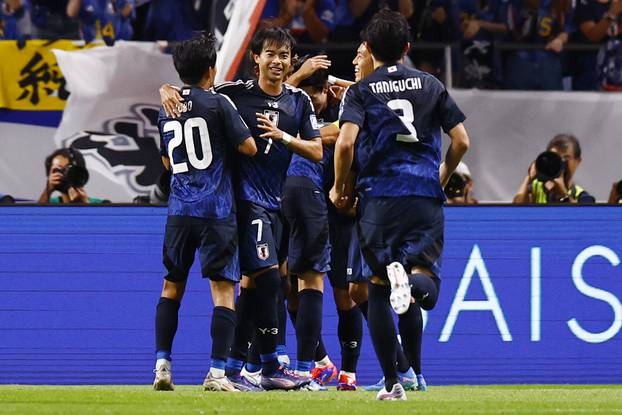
(332, 80)
(287, 138)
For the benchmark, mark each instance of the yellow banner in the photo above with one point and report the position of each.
(30, 78)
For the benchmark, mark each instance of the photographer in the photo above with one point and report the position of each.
(615, 195)
(67, 174)
(459, 189)
(550, 176)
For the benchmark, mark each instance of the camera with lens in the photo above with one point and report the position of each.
(74, 175)
(455, 186)
(549, 166)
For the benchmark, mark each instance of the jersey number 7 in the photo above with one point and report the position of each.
(407, 116)
(186, 134)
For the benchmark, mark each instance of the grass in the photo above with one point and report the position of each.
(516, 399)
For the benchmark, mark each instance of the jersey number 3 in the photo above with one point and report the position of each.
(407, 116)
(186, 134)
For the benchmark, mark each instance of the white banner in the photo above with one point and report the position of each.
(111, 115)
(508, 129)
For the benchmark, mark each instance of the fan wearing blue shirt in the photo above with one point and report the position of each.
(399, 185)
(108, 20)
(196, 148)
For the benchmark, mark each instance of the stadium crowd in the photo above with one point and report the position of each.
(494, 43)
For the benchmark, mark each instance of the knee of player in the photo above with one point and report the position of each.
(343, 301)
(359, 293)
(173, 290)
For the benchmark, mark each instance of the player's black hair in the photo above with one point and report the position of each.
(387, 34)
(73, 155)
(193, 57)
(317, 80)
(276, 36)
(563, 141)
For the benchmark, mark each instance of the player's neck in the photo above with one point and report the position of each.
(378, 64)
(270, 87)
(207, 84)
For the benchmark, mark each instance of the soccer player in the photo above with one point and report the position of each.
(399, 186)
(195, 148)
(276, 114)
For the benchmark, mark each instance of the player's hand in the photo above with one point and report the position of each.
(336, 93)
(271, 130)
(556, 45)
(312, 64)
(339, 198)
(471, 29)
(171, 101)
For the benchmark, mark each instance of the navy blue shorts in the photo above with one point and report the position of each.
(408, 230)
(345, 261)
(260, 233)
(216, 240)
(306, 214)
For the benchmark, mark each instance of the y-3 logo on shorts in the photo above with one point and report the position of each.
(263, 252)
(273, 330)
(351, 344)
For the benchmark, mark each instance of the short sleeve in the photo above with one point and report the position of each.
(352, 107)
(448, 111)
(309, 128)
(235, 128)
(162, 118)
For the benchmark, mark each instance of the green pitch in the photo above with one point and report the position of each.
(93, 400)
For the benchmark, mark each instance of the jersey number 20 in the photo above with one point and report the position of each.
(186, 134)
(408, 118)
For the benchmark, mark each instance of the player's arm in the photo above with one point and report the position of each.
(166, 162)
(308, 68)
(458, 147)
(344, 156)
(330, 133)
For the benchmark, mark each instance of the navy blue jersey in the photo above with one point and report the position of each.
(303, 167)
(260, 179)
(401, 112)
(198, 145)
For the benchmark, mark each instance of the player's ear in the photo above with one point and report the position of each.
(255, 58)
(367, 48)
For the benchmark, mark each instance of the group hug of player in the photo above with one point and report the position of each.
(293, 180)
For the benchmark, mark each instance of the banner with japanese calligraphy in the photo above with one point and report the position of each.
(30, 78)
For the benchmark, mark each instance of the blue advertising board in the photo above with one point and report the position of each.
(529, 295)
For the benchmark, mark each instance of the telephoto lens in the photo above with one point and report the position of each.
(549, 166)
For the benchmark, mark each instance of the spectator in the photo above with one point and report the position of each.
(14, 20)
(171, 20)
(547, 23)
(459, 189)
(599, 21)
(66, 174)
(560, 189)
(108, 20)
(50, 21)
(437, 22)
(480, 21)
(615, 195)
(310, 21)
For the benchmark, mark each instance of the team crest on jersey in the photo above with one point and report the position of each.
(273, 115)
(263, 252)
(124, 149)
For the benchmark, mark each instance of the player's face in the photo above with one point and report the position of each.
(319, 98)
(363, 63)
(274, 62)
